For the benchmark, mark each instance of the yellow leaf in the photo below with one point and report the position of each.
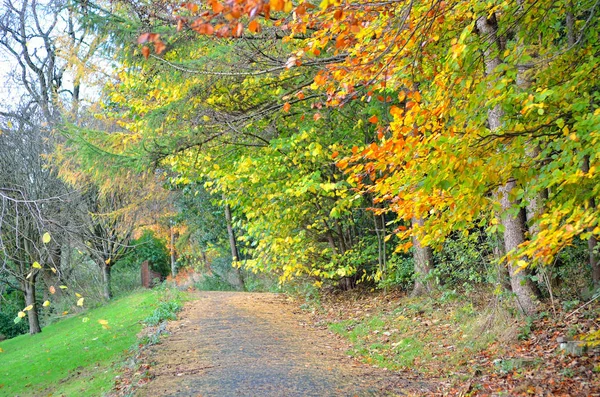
(62, 287)
(205, 118)
(85, 319)
(1, 351)
(288, 6)
(77, 294)
(46, 238)
(107, 261)
(21, 314)
(80, 302)
(36, 265)
(522, 264)
(103, 322)
(46, 304)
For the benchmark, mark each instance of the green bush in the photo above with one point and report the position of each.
(147, 248)
(166, 310)
(8, 312)
(464, 260)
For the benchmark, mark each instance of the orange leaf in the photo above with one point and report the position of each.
(52, 289)
(179, 25)
(373, 119)
(338, 14)
(300, 95)
(277, 5)
(317, 116)
(335, 154)
(254, 26)
(146, 52)
(217, 7)
(287, 107)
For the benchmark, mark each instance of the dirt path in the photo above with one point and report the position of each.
(247, 344)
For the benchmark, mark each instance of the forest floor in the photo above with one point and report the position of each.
(361, 344)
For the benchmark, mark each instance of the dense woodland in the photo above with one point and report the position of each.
(422, 146)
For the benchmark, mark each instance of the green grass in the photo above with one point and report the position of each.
(416, 336)
(77, 356)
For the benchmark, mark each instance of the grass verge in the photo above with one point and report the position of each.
(76, 356)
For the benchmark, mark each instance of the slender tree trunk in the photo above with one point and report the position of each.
(32, 315)
(106, 268)
(513, 225)
(173, 254)
(233, 245)
(423, 258)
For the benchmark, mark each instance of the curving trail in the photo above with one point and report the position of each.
(249, 344)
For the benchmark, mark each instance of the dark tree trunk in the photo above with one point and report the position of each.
(239, 281)
(32, 315)
(423, 258)
(106, 268)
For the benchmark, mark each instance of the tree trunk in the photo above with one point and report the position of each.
(106, 268)
(521, 285)
(32, 315)
(423, 258)
(234, 250)
(514, 229)
(173, 254)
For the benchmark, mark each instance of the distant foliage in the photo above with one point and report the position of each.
(148, 248)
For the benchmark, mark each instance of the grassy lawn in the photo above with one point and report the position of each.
(74, 357)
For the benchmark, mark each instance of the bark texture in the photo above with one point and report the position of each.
(106, 279)
(423, 258)
(32, 315)
(514, 227)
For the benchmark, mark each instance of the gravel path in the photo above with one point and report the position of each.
(248, 344)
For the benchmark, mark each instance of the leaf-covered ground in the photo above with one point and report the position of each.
(466, 348)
